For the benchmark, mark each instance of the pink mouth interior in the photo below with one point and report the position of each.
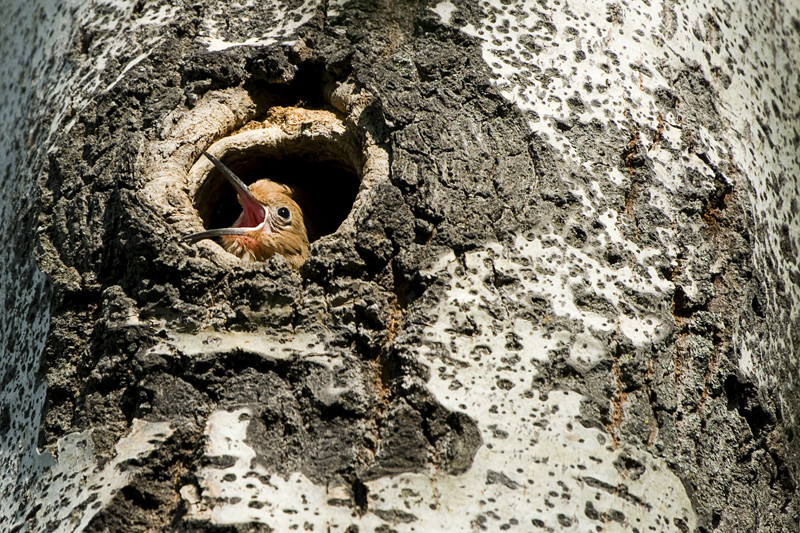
(253, 213)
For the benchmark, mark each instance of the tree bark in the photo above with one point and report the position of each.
(554, 282)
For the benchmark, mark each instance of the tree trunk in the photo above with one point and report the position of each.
(553, 282)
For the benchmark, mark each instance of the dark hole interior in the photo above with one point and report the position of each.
(324, 190)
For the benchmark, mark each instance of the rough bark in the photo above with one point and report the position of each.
(565, 295)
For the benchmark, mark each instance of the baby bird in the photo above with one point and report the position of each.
(271, 222)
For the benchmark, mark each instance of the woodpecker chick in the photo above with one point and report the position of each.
(271, 222)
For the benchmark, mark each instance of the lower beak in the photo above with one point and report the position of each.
(219, 232)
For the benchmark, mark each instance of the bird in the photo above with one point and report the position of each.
(271, 222)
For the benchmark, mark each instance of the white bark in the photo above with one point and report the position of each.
(539, 464)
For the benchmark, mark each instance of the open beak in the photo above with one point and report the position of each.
(254, 214)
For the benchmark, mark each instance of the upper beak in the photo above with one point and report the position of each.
(253, 215)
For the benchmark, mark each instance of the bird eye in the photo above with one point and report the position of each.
(283, 212)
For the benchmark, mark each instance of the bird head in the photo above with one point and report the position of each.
(271, 222)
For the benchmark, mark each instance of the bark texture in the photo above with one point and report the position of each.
(565, 295)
